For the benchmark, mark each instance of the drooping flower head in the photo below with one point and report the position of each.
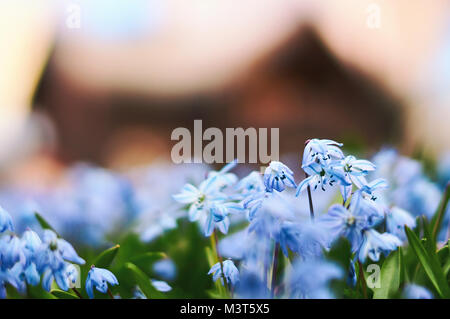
(99, 279)
(278, 176)
(230, 272)
(321, 151)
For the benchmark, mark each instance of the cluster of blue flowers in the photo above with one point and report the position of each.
(370, 218)
(272, 232)
(32, 259)
(88, 203)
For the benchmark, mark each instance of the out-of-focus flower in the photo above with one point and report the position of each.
(165, 269)
(340, 221)
(443, 169)
(375, 243)
(420, 197)
(278, 176)
(413, 291)
(99, 278)
(251, 184)
(230, 272)
(223, 178)
(11, 251)
(161, 285)
(5, 221)
(306, 239)
(138, 294)
(251, 285)
(311, 279)
(396, 219)
(31, 244)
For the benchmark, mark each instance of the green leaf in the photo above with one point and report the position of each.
(429, 263)
(428, 241)
(436, 221)
(60, 294)
(340, 252)
(44, 224)
(444, 254)
(105, 258)
(143, 282)
(391, 276)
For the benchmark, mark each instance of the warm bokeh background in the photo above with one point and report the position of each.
(112, 90)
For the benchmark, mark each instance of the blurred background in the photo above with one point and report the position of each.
(106, 81)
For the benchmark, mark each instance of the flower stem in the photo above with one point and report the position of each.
(275, 268)
(77, 293)
(215, 247)
(110, 294)
(311, 207)
(362, 279)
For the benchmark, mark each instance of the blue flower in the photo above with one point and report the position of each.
(413, 291)
(321, 175)
(223, 178)
(65, 276)
(420, 197)
(362, 205)
(375, 243)
(230, 272)
(344, 222)
(321, 152)
(11, 251)
(308, 240)
(165, 268)
(5, 221)
(31, 244)
(311, 279)
(251, 285)
(251, 184)
(52, 260)
(99, 278)
(370, 189)
(6, 277)
(278, 176)
(396, 219)
(200, 198)
(161, 285)
(354, 172)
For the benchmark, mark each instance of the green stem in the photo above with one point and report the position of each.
(362, 279)
(215, 248)
(275, 268)
(77, 293)
(311, 207)
(110, 294)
